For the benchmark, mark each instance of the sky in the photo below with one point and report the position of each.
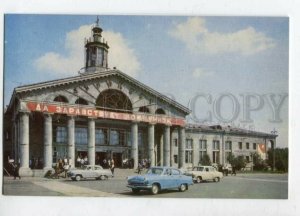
(227, 70)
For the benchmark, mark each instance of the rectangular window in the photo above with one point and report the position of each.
(216, 145)
(240, 145)
(81, 137)
(117, 137)
(228, 145)
(201, 155)
(175, 158)
(189, 156)
(175, 141)
(226, 156)
(61, 135)
(140, 138)
(189, 144)
(128, 138)
(101, 136)
(247, 145)
(203, 144)
(216, 157)
(254, 146)
(247, 159)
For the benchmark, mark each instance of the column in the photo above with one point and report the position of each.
(91, 141)
(47, 141)
(134, 145)
(166, 146)
(151, 144)
(171, 148)
(161, 149)
(71, 140)
(24, 140)
(195, 152)
(181, 148)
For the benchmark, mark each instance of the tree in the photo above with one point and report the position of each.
(205, 160)
(281, 159)
(237, 162)
(258, 162)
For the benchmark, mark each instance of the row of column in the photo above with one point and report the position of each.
(24, 142)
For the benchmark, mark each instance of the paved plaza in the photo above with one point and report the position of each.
(247, 186)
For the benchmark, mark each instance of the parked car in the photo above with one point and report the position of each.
(205, 173)
(159, 178)
(89, 172)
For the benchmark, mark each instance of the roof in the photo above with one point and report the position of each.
(96, 75)
(227, 130)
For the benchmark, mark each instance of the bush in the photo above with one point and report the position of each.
(281, 159)
(205, 161)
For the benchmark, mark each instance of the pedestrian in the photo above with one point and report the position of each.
(233, 171)
(140, 168)
(66, 169)
(86, 162)
(78, 161)
(81, 162)
(112, 167)
(16, 171)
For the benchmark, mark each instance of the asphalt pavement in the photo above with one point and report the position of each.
(242, 186)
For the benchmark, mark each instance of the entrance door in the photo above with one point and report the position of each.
(117, 159)
(100, 156)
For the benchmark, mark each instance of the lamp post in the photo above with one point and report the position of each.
(274, 132)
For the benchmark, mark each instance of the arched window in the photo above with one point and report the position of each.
(81, 101)
(160, 111)
(144, 109)
(61, 99)
(114, 100)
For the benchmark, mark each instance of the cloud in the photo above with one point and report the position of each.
(120, 54)
(195, 35)
(200, 72)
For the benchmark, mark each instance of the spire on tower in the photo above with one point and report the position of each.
(97, 21)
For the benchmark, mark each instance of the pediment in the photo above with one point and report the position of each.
(89, 86)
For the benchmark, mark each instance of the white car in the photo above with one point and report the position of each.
(90, 172)
(205, 173)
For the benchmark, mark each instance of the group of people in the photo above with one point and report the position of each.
(109, 164)
(226, 170)
(143, 164)
(62, 166)
(81, 161)
(36, 163)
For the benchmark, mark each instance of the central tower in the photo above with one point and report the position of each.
(96, 50)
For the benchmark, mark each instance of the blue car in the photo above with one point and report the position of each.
(160, 178)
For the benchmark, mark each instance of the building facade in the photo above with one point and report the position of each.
(103, 113)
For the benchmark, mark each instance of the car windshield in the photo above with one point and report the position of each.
(86, 167)
(198, 168)
(156, 171)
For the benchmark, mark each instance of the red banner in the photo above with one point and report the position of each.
(91, 112)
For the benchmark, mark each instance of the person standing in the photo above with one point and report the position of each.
(112, 167)
(16, 171)
(233, 171)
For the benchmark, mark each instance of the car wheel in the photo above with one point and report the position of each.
(216, 179)
(182, 188)
(78, 178)
(199, 179)
(135, 190)
(102, 177)
(155, 189)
